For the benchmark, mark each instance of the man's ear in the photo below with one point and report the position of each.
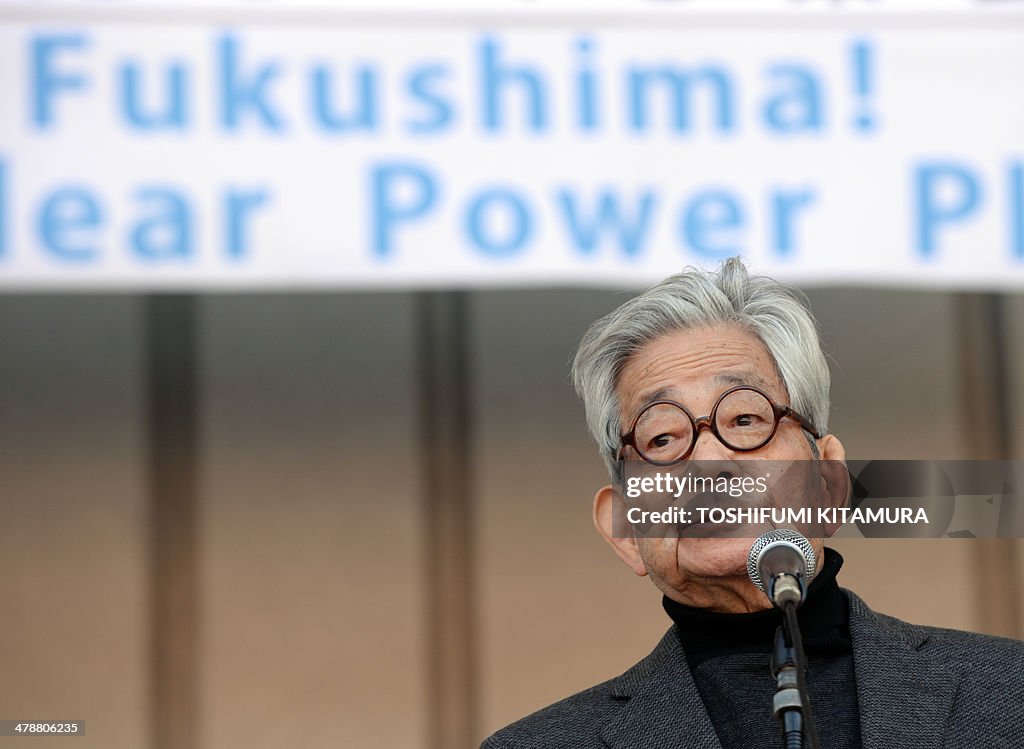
(833, 471)
(609, 515)
(834, 474)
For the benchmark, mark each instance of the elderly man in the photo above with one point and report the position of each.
(685, 347)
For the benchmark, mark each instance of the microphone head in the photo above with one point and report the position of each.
(773, 539)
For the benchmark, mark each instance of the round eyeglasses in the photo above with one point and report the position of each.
(743, 419)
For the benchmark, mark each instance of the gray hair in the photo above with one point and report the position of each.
(775, 313)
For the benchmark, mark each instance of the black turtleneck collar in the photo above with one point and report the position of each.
(824, 622)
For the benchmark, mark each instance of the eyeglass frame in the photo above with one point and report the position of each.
(781, 412)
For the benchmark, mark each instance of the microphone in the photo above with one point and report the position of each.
(781, 563)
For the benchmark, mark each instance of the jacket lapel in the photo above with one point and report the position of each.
(905, 697)
(663, 707)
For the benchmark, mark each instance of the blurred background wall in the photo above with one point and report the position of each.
(312, 597)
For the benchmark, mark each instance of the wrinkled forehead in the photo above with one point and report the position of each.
(694, 366)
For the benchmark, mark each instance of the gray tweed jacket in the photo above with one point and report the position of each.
(917, 687)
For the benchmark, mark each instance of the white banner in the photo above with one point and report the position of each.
(410, 152)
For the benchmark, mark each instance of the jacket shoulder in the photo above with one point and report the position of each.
(959, 648)
(998, 657)
(576, 722)
(988, 705)
(571, 722)
(954, 647)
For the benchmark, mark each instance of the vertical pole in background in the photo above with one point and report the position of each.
(172, 423)
(988, 430)
(446, 453)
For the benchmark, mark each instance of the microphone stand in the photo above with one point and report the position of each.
(787, 705)
(792, 704)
